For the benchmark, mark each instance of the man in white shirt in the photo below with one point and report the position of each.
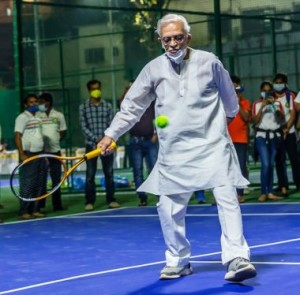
(53, 129)
(29, 142)
(194, 90)
(289, 144)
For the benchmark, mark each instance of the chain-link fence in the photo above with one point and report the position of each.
(58, 46)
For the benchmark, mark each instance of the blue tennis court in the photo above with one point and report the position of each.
(122, 252)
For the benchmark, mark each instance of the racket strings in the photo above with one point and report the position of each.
(32, 180)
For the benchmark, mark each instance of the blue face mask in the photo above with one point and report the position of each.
(239, 89)
(33, 109)
(278, 87)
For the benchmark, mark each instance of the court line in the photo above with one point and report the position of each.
(63, 216)
(122, 208)
(254, 262)
(187, 215)
(142, 265)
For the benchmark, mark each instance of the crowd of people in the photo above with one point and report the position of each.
(275, 124)
(273, 117)
(39, 129)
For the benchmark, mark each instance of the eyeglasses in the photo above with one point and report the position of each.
(177, 38)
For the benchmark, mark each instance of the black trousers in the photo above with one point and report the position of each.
(31, 176)
(54, 168)
(91, 168)
(289, 147)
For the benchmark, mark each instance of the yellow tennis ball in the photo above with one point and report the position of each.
(161, 121)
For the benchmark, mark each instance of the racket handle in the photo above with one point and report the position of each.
(97, 152)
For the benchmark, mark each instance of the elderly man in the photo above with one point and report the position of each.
(193, 89)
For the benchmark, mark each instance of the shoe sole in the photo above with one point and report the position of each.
(241, 275)
(89, 208)
(185, 272)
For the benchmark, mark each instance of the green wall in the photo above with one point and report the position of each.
(9, 110)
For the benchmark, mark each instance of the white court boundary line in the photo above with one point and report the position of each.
(149, 264)
(187, 215)
(261, 263)
(123, 208)
(63, 216)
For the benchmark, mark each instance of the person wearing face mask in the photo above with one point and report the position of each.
(29, 142)
(192, 88)
(54, 130)
(289, 144)
(239, 129)
(267, 115)
(95, 115)
(143, 147)
(297, 124)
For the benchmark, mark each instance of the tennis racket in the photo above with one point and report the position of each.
(28, 180)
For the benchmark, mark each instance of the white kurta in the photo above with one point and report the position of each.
(195, 150)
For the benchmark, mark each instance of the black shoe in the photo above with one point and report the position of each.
(143, 204)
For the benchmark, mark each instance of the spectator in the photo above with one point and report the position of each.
(239, 129)
(297, 124)
(1, 150)
(29, 142)
(95, 116)
(142, 146)
(289, 143)
(194, 90)
(200, 196)
(54, 129)
(266, 113)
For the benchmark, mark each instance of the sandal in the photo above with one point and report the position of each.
(273, 197)
(262, 198)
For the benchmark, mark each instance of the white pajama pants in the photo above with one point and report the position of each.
(172, 210)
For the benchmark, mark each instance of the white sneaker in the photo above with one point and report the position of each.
(89, 207)
(175, 272)
(240, 269)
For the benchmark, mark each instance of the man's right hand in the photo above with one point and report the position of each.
(23, 157)
(104, 145)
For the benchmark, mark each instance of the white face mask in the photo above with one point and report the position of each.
(42, 108)
(178, 56)
(279, 86)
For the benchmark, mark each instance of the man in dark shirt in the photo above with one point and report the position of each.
(95, 116)
(143, 145)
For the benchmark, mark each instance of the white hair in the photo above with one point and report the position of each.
(172, 18)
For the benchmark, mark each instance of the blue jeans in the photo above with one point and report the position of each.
(91, 168)
(200, 196)
(267, 151)
(140, 149)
